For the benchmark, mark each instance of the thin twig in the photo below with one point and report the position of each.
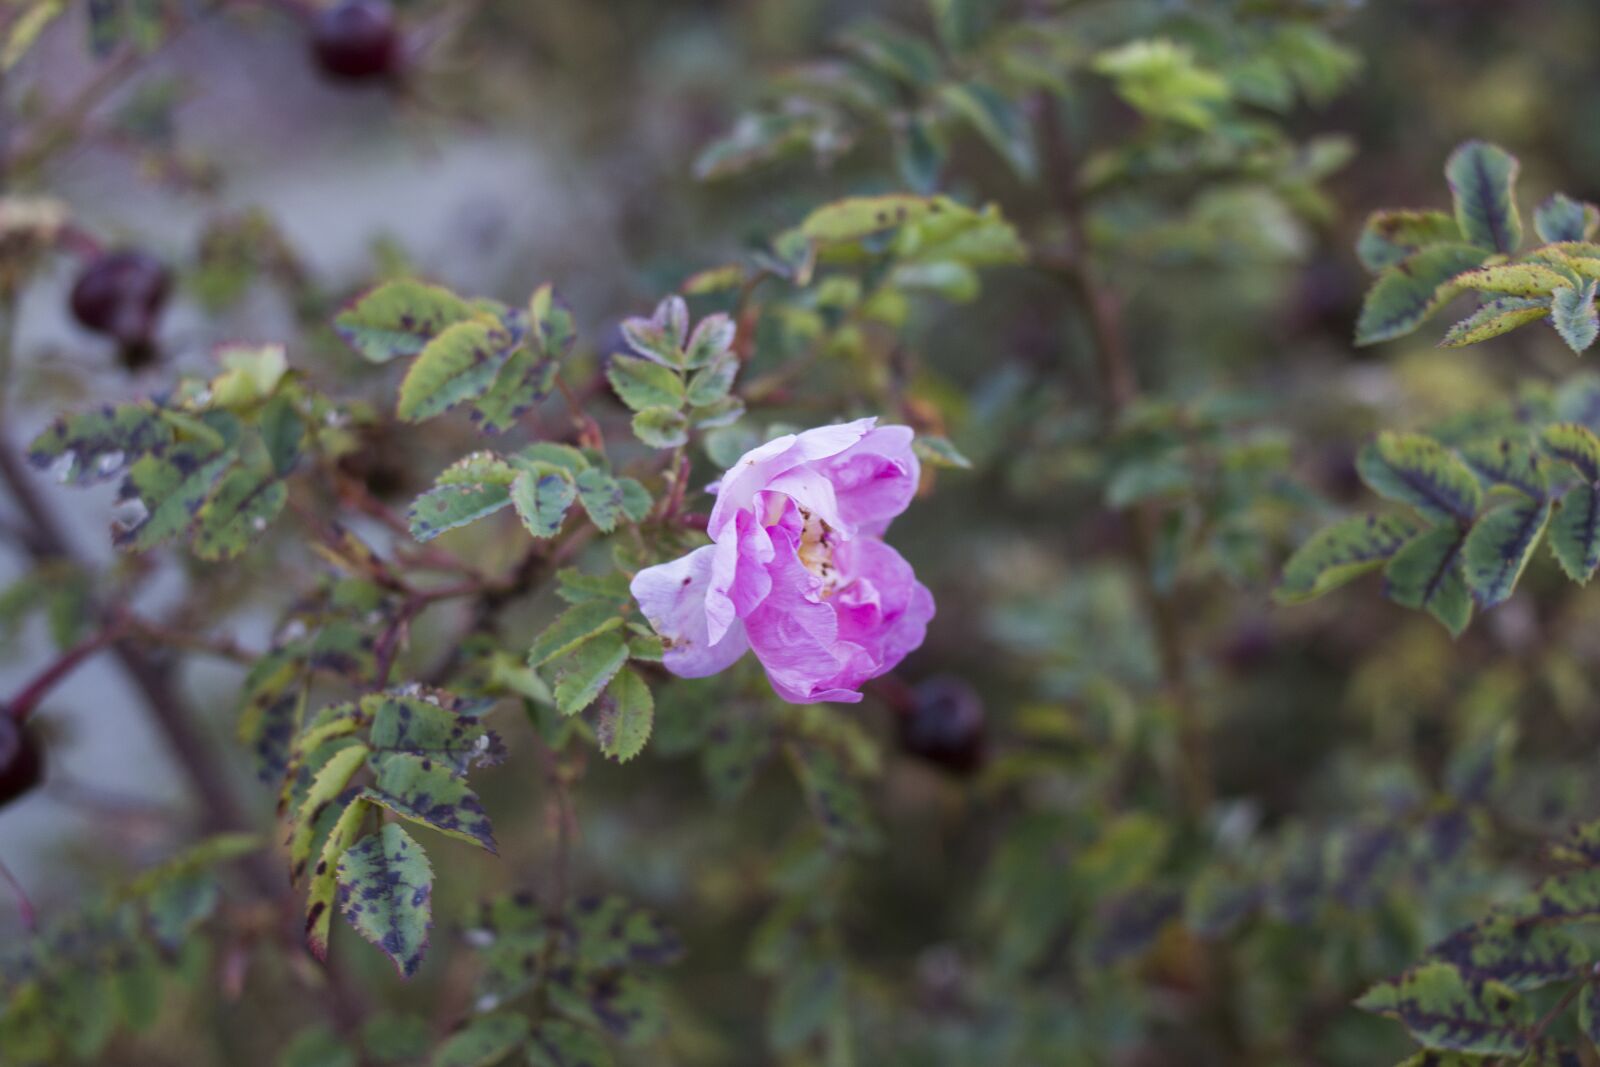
(30, 919)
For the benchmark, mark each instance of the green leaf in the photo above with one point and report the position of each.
(1509, 461)
(1499, 547)
(1483, 179)
(330, 781)
(661, 427)
(459, 364)
(431, 795)
(809, 995)
(1391, 236)
(1416, 470)
(386, 893)
(636, 502)
(623, 1005)
(282, 430)
(582, 673)
(551, 327)
(1574, 317)
(170, 489)
(396, 1039)
(91, 446)
(251, 374)
(555, 1043)
(920, 153)
(939, 452)
(712, 382)
(610, 933)
(446, 507)
(1515, 279)
(601, 496)
(1523, 957)
(1413, 290)
(548, 454)
(577, 624)
(893, 51)
(661, 337)
(643, 383)
(724, 412)
(1569, 896)
(1561, 218)
(524, 380)
(1426, 574)
(424, 727)
(711, 341)
(324, 879)
(1163, 81)
(542, 501)
(626, 712)
(1575, 444)
(244, 504)
(1342, 552)
(1444, 1009)
(484, 1042)
(854, 218)
(1575, 532)
(399, 318)
(1495, 318)
(999, 121)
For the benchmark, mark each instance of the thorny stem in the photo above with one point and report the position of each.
(1118, 388)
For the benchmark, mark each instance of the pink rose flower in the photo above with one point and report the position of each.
(798, 572)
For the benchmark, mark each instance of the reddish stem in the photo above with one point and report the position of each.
(23, 704)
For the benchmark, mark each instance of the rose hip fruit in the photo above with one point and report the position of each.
(356, 40)
(121, 295)
(943, 723)
(21, 760)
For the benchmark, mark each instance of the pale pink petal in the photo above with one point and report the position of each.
(874, 480)
(739, 578)
(795, 634)
(760, 466)
(673, 597)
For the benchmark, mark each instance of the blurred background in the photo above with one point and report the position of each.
(555, 140)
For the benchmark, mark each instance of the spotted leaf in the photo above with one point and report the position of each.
(1483, 179)
(1419, 471)
(1444, 1009)
(416, 788)
(386, 894)
(1342, 552)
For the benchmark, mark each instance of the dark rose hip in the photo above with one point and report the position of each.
(356, 40)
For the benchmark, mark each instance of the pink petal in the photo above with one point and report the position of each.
(673, 597)
(760, 466)
(795, 634)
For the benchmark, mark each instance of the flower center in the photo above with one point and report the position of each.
(816, 550)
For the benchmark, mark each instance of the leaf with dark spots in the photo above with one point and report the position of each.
(1523, 957)
(389, 875)
(609, 932)
(431, 794)
(427, 728)
(1444, 1009)
(1483, 178)
(623, 1004)
(92, 446)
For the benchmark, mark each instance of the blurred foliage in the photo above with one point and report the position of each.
(1151, 793)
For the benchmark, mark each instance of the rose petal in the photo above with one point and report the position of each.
(673, 597)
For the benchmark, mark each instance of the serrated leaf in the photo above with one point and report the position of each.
(1565, 897)
(432, 795)
(586, 670)
(662, 336)
(457, 365)
(330, 781)
(399, 318)
(1509, 462)
(662, 427)
(542, 501)
(576, 587)
(939, 452)
(712, 382)
(1575, 444)
(611, 933)
(1523, 957)
(601, 497)
(642, 383)
(1342, 552)
(999, 121)
(1495, 318)
(324, 878)
(718, 413)
(524, 380)
(446, 507)
(1561, 218)
(420, 726)
(1515, 279)
(1483, 179)
(1425, 574)
(711, 340)
(169, 488)
(555, 1043)
(1575, 532)
(574, 626)
(1391, 236)
(626, 712)
(1443, 1009)
(92, 446)
(1572, 313)
(483, 1042)
(1408, 293)
(636, 501)
(1499, 547)
(1416, 470)
(244, 504)
(386, 894)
